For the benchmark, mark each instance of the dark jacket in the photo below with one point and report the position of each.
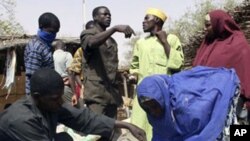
(23, 121)
(100, 65)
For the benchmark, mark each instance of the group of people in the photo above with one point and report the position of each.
(70, 68)
(36, 116)
(97, 59)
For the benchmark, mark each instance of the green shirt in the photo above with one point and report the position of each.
(149, 56)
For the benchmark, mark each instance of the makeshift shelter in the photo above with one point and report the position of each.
(13, 47)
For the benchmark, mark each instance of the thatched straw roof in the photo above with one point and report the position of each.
(19, 43)
(11, 41)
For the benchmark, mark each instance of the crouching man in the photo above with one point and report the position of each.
(35, 117)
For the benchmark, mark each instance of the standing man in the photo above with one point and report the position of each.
(158, 53)
(76, 73)
(100, 66)
(101, 63)
(38, 52)
(62, 60)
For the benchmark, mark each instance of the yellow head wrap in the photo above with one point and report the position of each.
(158, 13)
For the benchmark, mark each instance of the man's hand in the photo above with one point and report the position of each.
(74, 100)
(136, 131)
(126, 29)
(66, 81)
(131, 78)
(162, 36)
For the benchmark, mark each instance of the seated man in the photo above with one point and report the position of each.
(192, 105)
(35, 117)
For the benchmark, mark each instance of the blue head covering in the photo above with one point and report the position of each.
(156, 87)
(47, 37)
(195, 103)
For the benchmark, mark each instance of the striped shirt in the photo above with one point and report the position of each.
(37, 55)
